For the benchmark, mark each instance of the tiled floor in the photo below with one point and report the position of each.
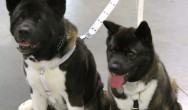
(168, 21)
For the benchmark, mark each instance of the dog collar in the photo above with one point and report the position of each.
(56, 61)
(61, 43)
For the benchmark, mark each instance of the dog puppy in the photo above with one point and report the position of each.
(138, 79)
(60, 69)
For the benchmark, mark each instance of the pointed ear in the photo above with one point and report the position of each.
(143, 32)
(112, 27)
(11, 5)
(58, 6)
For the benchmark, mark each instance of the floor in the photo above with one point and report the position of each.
(168, 21)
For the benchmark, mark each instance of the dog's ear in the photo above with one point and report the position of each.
(143, 32)
(11, 4)
(58, 6)
(112, 27)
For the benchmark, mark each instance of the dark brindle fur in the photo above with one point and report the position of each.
(131, 50)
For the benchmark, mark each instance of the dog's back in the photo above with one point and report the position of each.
(165, 96)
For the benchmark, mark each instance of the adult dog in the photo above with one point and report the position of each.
(61, 71)
(138, 79)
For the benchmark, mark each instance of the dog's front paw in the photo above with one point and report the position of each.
(27, 105)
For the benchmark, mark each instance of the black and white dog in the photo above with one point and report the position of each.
(138, 79)
(61, 71)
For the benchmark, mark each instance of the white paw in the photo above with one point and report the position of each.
(27, 105)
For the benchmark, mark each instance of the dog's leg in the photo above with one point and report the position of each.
(75, 108)
(39, 102)
(76, 99)
(71, 107)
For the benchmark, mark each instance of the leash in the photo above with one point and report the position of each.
(98, 23)
(106, 12)
(44, 84)
(182, 91)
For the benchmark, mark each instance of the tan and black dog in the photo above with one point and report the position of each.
(138, 79)
(61, 71)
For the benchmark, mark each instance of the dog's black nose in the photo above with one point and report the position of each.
(24, 31)
(115, 67)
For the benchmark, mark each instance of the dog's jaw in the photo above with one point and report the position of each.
(27, 48)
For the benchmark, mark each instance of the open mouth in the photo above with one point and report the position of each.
(116, 81)
(24, 46)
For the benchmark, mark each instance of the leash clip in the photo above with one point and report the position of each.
(86, 36)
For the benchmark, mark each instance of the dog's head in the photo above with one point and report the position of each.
(129, 51)
(36, 23)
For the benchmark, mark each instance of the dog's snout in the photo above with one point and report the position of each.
(115, 67)
(24, 31)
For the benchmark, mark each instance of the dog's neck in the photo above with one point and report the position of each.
(138, 93)
(45, 64)
(57, 49)
(151, 73)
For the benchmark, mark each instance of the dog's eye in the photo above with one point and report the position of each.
(21, 17)
(39, 20)
(112, 50)
(131, 55)
(37, 17)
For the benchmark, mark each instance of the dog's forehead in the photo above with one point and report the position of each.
(125, 36)
(31, 5)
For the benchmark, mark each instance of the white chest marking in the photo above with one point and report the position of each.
(55, 80)
(137, 91)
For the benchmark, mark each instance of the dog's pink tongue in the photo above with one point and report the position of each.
(24, 44)
(116, 81)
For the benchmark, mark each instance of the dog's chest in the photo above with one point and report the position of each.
(54, 79)
(137, 91)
